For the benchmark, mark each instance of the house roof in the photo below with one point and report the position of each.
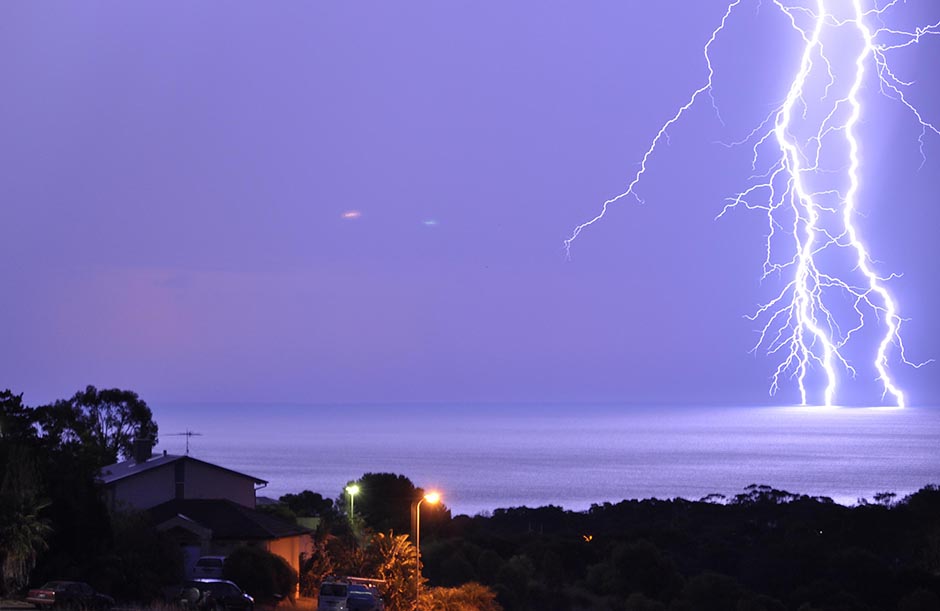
(227, 519)
(129, 468)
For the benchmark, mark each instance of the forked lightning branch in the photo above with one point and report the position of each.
(807, 177)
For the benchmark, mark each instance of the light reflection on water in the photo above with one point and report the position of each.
(489, 457)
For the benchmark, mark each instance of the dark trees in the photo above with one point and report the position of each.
(24, 528)
(140, 560)
(24, 531)
(764, 550)
(309, 504)
(51, 512)
(100, 423)
(17, 422)
(385, 502)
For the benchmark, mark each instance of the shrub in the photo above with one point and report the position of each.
(264, 575)
(468, 597)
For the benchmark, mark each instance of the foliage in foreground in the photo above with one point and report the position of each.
(392, 559)
(266, 576)
(468, 597)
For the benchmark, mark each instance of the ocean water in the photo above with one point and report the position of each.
(486, 457)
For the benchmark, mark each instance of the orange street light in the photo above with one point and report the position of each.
(433, 498)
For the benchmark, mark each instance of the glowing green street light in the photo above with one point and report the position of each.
(351, 491)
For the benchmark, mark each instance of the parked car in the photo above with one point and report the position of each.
(68, 595)
(332, 596)
(214, 595)
(361, 597)
(208, 567)
(349, 594)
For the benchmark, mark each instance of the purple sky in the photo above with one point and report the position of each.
(173, 179)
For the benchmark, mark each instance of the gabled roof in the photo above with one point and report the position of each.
(227, 519)
(129, 468)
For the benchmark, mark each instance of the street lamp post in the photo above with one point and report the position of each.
(433, 498)
(351, 491)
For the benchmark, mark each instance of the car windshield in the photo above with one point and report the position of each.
(333, 589)
(55, 585)
(215, 562)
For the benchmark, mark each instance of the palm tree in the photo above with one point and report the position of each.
(392, 559)
(23, 536)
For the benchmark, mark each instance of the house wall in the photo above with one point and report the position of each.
(202, 481)
(144, 490)
(185, 479)
(290, 548)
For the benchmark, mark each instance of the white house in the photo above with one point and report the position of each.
(142, 484)
(208, 509)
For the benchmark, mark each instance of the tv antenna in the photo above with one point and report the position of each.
(187, 434)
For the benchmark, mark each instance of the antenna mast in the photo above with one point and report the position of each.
(188, 434)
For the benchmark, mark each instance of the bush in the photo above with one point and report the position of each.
(142, 561)
(468, 597)
(264, 575)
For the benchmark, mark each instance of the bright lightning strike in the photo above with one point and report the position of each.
(811, 216)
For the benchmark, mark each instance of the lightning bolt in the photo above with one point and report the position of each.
(811, 219)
